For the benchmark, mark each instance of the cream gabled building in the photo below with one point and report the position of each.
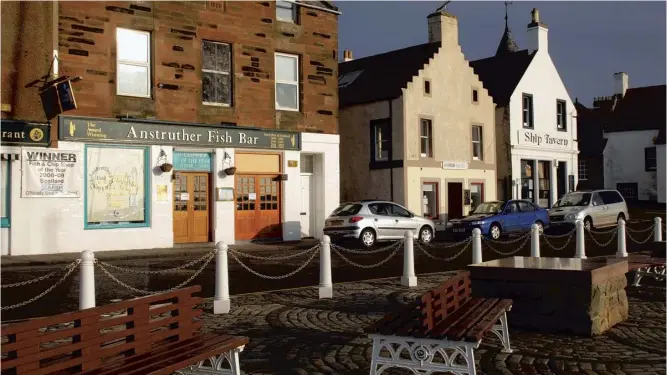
(417, 127)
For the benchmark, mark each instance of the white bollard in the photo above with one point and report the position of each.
(326, 285)
(409, 279)
(476, 246)
(87, 280)
(535, 241)
(657, 229)
(581, 245)
(221, 302)
(621, 251)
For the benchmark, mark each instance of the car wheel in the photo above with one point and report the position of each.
(620, 216)
(367, 238)
(425, 235)
(540, 227)
(588, 223)
(495, 232)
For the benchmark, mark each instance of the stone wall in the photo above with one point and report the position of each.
(561, 307)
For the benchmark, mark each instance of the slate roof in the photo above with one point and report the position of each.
(590, 122)
(501, 74)
(383, 76)
(642, 108)
(507, 43)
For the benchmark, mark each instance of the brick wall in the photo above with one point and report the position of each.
(87, 49)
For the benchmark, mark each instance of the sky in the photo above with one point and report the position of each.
(589, 41)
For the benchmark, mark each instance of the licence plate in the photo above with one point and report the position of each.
(459, 230)
(337, 222)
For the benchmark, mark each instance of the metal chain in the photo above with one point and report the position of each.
(275, 257)
(601, 232)
(508, 253)
(72, 266)
(449, 258)
(628, 229)
(233, 254)
(148, 292)
(615, 232)
(441, 245)
(375, 251)
(559, 235)
(508, 242)
(569, 239)
(364, 265)
(37, 279)
(650, 235)
(168, 270)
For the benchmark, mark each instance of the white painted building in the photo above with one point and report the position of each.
(285, 184)
(536, 123)
(634, 155)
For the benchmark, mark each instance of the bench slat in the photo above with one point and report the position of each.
(457, 331)
(484, 325)
(441, 330)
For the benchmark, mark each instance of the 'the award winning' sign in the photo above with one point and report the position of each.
(99, 130)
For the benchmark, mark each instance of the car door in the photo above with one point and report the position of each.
(610, 199)
(511, 218)
(384, 222)
(527, 216)
(403, 221)
(598, 211)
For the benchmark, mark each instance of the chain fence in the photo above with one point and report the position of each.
(467, 242)
(443, 245)
(631, 230)
(366, 266)
(156, 272)
(369, 251)
(508, 242)
(594, 231)
(274, 257)
(516, 250)
(570, 233)
(559, 248)
(68, 271)
(614, 232)
(236, 254)
(648, 238)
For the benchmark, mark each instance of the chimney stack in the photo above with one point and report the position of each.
(443, 27)
(537, 33)
(620, 83)
(347, 55)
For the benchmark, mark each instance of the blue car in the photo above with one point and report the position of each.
(498, 218)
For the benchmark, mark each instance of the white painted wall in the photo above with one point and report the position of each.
(224, 224)
(624, 161)
(542, 80)
(661, 160)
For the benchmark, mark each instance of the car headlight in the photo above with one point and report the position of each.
(481, 222)
(571, 216)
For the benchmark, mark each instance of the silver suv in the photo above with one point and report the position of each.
(597, 208)
(373, 220)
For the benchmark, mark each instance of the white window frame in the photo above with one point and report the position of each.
(561, 117)
(295, 83)
(146, 65)
(231, 83)
(428, 137)
(378, 141)
(480, 142)
(582, 176)
(295, 13)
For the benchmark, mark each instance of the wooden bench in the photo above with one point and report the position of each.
(158, 334)
(439, 331)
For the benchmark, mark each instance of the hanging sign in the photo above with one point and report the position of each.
(50, 173)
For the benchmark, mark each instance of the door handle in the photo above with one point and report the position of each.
(304, 213)
(396, 221)
(376, 219)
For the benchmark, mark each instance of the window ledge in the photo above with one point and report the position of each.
(562, 129)
(287, 109)
(133, 96)
(222, 105)
(116, 226)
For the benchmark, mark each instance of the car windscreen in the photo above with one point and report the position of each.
(348, 209)
(488, 208)
(574, 199)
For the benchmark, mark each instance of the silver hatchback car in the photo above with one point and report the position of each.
(371, 221)
(597, 208)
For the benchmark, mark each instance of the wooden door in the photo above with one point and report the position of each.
(191, 207)
(454, 200)
(257, 207)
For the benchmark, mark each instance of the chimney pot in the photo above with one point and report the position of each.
(620, 83)
(347, 55)
(536, 15)
(537, 33)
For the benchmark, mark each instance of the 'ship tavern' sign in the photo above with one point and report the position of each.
(50, 173)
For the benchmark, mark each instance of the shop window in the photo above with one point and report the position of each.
(477, 142)
(430, 200)
(527, 111)
(117, 187)
(650, 159)
(583, 170)
(381, 139)
(133, 63)
(287, 82)
(426, 137)
(287, 11)
(544, 183)
(216, 73)
(527, 181)
(561, 115)
(476, 195)
(5, 170)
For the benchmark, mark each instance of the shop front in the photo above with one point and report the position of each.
(149, 184)
(543, 167)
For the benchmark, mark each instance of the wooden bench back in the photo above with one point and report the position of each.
(438, 303)
(78, 341)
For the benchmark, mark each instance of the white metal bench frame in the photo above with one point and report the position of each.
(216, 365)
(657, 272)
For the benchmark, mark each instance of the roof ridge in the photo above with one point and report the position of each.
(388, 52)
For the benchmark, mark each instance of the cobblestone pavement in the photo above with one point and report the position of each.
(293, 332)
